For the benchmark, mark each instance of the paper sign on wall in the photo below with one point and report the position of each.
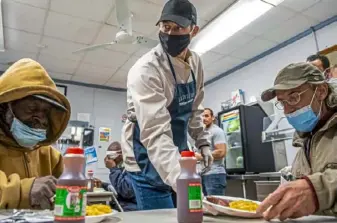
(84, 117)
(90, 155)
(104, 134)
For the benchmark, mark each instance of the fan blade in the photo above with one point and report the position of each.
(146, 42)
(94, 47)
(124, 17)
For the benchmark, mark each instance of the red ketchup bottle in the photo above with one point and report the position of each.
(71, 188)
(189, 193)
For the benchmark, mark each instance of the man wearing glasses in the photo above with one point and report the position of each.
(309, 104)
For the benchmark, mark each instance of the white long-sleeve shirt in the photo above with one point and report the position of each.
(150, 90)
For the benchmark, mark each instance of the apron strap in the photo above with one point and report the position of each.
(171, 68)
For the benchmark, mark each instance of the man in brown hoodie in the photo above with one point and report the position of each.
(33, 115)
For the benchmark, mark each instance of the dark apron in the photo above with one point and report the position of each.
(180, 111)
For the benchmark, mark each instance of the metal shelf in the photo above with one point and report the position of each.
(237, 131)
(277, 128)
(235, 147)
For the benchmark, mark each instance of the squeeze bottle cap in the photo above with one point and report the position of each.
(187, 154)
(75, 150)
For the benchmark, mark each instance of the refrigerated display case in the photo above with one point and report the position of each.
(246, 153)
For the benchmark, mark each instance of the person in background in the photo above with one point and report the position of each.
(214, 180)
(333, 76)
(164, 96)
(334, 71)
(310, 105)
(321, 62)
(33, 115)
(119, 178)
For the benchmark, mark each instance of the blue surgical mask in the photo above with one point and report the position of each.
(304, 119)
(25, 136)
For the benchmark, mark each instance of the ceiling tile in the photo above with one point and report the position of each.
(23, 17)
(224, 64)
(21, 40)
(144, 26)
(132, 60)
(108, 34)
(210, 57)
(159, 2)
(202, 22)
(61, 48)
(120, 76)
(154, 35)
(90, 79)
(289, 28)
(234, 42)
(89, 9)
(60, 76)
(322, 10)
(145, 15)
(56, 64)
(36, 3)
(208, 11)
(94, 70)
(299, 5)
(269, 20)
(106, 58)
(70, 28)
(11, 56)
(142, 51)
(253, 48)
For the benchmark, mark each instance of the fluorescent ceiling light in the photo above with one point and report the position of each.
(230, 22)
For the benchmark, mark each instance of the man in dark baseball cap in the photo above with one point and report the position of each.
(181, 12)
(165, 95)
(309, 104)
(178, 25)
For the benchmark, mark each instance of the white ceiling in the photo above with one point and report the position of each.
(50, 30)
(279, 24)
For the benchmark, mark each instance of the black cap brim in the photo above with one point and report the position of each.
(181, 21)
(50, 101)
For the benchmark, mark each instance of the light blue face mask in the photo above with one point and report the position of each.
(304, 119)
(25, 136)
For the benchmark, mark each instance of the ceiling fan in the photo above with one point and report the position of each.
(124, 35)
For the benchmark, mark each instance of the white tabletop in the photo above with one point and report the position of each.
(169, 216)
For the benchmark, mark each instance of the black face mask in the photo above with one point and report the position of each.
(174, 44)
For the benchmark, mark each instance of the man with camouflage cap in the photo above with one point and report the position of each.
(309, 104)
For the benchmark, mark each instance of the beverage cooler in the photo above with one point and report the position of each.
(246, 153)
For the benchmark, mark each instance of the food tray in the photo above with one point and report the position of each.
(216, 209)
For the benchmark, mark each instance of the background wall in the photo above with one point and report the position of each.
(258, 76)
(106, 109)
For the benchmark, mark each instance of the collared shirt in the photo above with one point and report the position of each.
(150, 90)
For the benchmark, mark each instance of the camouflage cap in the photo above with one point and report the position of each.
(293, 76)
